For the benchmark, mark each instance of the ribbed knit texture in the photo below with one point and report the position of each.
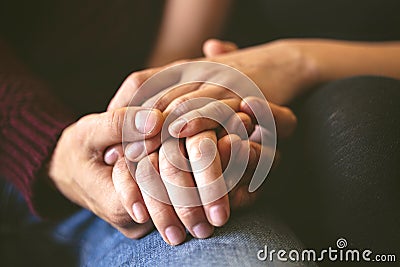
(30, 123)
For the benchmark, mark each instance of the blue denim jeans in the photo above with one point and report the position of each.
(85, 240)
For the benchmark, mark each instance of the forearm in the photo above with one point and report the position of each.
(340, 59)
(186, 25)
(291, 67)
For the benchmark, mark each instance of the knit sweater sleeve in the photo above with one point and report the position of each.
(31, 121)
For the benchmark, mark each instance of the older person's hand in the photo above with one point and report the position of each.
(78, 170)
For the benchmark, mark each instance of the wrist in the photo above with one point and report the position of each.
(294, 67)
(305, 56)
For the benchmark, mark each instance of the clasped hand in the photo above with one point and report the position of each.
(115, 188)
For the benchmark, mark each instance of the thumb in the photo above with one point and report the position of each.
(215, 47)
(130, 123)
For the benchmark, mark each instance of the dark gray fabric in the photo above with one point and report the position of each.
(341, 175)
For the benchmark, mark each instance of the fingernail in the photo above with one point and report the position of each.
(174, 235)
(111, 156)
(218, 215)
(202, 230)
(139, 212)
(177, 126)
(146, 121)
(134, 150)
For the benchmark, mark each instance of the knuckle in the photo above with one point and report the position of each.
(119, 217)
(202, 149)
(161, 103)
(116, 213)
(82, 122)
(137, 232)
(82, 129)
(168, 170)
(194, 150)
(136, 79)
(181, 105)
(116, 122)
(185, 213)
(215, 108)
(145, 171)
(159, 214)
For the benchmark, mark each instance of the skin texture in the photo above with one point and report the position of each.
(283, 70)
(169, 220)
(84, 178)
(77, 167)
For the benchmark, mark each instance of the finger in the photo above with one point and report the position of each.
(207, 171)
(260, 134)
(228, 145)
(205, 90)
(174, 170)
(135, 151)
(128, 191)
(235, 151)
(134, 230)
(236, 122)
(215, 47)
(163, 99)
(240, 197)
(112, 154)
(156, 199)
(169, 100)
(208, 116)
(138, 87)
(130, 88)
(285, 120)
(105, 129)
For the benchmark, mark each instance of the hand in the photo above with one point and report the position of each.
(243, 144)
(171, 221)
(79, 172)
(157, 169)
(279, 68)
(283, 69)
(157, 208)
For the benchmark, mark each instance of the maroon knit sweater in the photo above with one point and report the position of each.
(60, 60)
(30, 123)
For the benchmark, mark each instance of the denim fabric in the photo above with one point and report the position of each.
(85, 240)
